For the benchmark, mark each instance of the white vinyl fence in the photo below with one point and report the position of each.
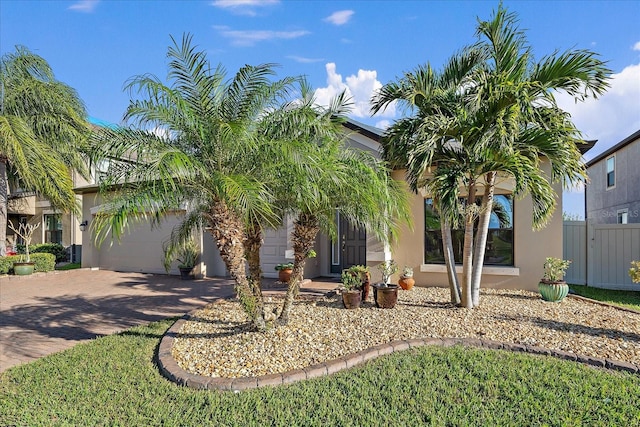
(601, 254)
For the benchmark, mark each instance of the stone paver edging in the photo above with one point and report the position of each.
(171, 370)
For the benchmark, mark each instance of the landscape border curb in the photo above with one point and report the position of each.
(170, 369)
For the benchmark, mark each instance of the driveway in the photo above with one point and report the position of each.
(49, 312)
(46, 313)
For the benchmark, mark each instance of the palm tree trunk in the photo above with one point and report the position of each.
(447, 247)
(4, 201)
(252, 244)
(481, 237)
(228, 231)
(305, 230)
(467, 255)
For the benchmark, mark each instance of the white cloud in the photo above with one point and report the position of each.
(243, 7)
(86, 6)
(636, 46)
(613, 116)
(304, 60)
(383, 124)
(340, 17)
(359, 88)
(251, 37)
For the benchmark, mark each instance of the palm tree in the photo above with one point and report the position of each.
(43, 129)
(324, 177)
(494, 106)
(204, 154)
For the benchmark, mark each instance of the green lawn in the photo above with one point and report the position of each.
(70, 266)
(113, 381)
(629, 299)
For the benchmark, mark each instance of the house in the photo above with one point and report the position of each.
(612, 194)
(55, 226)
(515, 253)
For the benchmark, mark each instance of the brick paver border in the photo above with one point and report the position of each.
(171, 370)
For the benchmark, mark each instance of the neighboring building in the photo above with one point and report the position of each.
(55, 226)
(612, 194)
(515, 253)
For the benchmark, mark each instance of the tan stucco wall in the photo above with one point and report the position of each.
(530, 248)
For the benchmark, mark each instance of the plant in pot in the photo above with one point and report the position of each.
(284, 272)
(187, 258)
(25, 231)
(406, 281)
(634, 271)
(384, 293)
(552, 286)
(362, 271)
(351, 293)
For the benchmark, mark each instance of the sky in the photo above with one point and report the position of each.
(95, 46)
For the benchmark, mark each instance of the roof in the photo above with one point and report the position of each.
(628, 140)
(366, 130)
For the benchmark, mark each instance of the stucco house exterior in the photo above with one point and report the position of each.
(612, 194)
(55, 226)
(515, 253)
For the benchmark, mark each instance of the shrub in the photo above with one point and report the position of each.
(6, 263)
(50, 248)
(634, 271)
(44, 262)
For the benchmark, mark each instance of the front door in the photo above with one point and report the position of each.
(352, 247)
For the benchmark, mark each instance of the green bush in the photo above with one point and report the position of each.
(50, 248)
(6, 263)
(44, 261)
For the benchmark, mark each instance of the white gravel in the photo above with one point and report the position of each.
(219, 342)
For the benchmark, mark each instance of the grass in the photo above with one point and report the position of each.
(70, 266)
(629, 299)
(113, 381)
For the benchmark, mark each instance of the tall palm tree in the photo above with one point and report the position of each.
(204, 154)
(43, 131)
(499, 114)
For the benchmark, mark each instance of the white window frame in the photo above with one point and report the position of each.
(623, 216)
(613, 171)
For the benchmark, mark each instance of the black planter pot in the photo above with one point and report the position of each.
(385, 296)
(186, 273)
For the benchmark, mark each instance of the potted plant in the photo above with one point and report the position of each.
(634, 271)
(384, 293)
(187, 257)
(351, 294)
(25, 231)
(552, 286)
(406, 281)
(362, 271)
(284, 271)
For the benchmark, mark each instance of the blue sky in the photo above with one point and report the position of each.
(96, 45)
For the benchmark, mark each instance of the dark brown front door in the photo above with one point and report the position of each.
(353, 242)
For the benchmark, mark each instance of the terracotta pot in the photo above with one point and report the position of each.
(553, 291)
(385, 296)
(366, 287)
(406, 283)
(351, 299)
(285, 275)
(23, 268)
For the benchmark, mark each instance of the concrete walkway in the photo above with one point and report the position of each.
(49, 312)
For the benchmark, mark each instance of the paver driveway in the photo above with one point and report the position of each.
(45, 313)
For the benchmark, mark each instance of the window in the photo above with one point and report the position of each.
(499, 250)
(611, 171)
(52, 229)
(623, 216)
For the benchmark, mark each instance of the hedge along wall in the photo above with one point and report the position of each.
(43, 262)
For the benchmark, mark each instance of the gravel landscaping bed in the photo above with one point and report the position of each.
(218, 341)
